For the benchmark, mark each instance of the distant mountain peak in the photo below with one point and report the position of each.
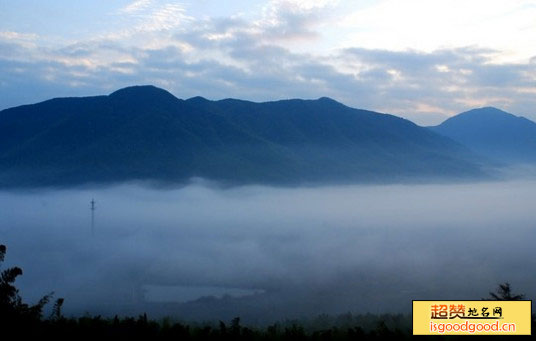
(488, 111)
(489, 108)
(328, 100)
(141, 90)
(493, 133)
(197, 98)
(485, 115)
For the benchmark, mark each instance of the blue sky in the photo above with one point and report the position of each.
(420, 59)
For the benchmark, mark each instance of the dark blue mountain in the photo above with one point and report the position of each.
(493, 133)
(145, 133)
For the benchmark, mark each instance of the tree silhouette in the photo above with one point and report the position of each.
(56, 310)
(504, 293)
(12, 309)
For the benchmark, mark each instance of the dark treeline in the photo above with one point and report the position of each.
(142, 327)
(18, 319)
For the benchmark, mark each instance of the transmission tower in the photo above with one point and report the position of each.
(92, 217)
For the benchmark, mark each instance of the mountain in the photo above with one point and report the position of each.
(145, 133)
(494, 134)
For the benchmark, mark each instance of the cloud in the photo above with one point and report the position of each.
(136, 6)
(150, 16)
(257, 59)
(452, 79)
(291, 20)
(433, 25)
(20, 37)
(166, 17)
(349, 248)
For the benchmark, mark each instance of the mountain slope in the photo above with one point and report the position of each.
(146, 133)
(493, 133)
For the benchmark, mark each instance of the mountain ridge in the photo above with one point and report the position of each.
(146, 133)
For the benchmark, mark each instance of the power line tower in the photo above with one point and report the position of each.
(92, 217)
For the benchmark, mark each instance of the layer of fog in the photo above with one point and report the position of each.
(298, 252)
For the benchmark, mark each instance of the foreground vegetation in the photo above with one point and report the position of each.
(22, 320)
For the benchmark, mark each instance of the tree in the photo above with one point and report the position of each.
(504, 293)
(12, 309)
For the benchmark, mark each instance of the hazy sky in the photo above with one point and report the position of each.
(420, 59)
